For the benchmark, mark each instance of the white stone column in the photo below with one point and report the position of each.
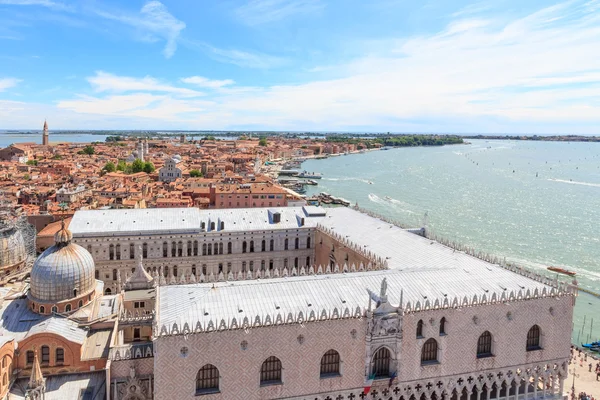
(562, 386)
(552, 384)
(544, 387)
(536, 381)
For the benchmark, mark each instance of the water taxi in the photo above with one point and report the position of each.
(562, 271)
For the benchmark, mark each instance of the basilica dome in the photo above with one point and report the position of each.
(12, 247)
(62, 272)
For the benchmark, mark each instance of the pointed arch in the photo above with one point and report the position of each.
(533, 338)
(429, 352)
(380, 365)
(270, 371)
(330, 364)
(443, 326)
(484, 345)
(207, 379)
(420, 329)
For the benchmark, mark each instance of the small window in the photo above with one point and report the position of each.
(45, 355)
(533, 338)
(54, 309)
(443, 326)
(42, 309)
(381, 363)
(429, 352)
(60, 355)
(68, 308)
(330, 364)
(30, 357)
(285, 244)
(270, 371)
(484, 345)
(420, 329)
(297, 243)
(207, 379)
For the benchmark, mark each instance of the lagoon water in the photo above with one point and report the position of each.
(535, 203)
(7, 139)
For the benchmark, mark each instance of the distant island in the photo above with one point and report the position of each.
(553, 138)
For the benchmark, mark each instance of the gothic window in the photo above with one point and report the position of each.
(244, 245)
(484, 345)
(308, 261)
(533, 338)
(443, 326)
(203, 249)
(68, 308)
(30, 357)
(175, 271)
(330, 364)
(216, 248)
(207, 379)
(285, 244)
(173, 249)
(111, 252)
(195, 247)
(297, 243)
(209, 248)
(308, 242)
(221, 248)
(420, 329)
(263, 245)
(381, 363)
(296, 262)
(270, 371)
(271, 245)
(212, 226)
(180, 249)
(115, 274)
(118, 251)
(60, 355)
(252, 246)
(165, 249)
(131, 251)
(228, 247)
(429, 352)
(145, 250)
(189, 248)
(45, 355)
(251, 266)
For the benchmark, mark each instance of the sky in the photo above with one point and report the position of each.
(445, 66)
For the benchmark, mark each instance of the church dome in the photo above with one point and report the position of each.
(62, 272)
(12, 247)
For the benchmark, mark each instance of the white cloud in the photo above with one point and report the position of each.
(245, 59)
(154, 22)
(44, 3)
(106, 82)
(256, 12)
(207, 83)
(7, 83)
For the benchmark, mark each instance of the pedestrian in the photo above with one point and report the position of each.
(590, 367)
(598, 375)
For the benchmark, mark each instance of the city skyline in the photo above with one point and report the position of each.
(301, 65)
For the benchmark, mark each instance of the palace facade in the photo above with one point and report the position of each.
(278, 303)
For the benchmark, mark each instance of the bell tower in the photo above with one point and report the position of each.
(45, 134)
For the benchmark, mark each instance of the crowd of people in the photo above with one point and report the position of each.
(581, 357)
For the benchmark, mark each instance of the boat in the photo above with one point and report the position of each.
(310, 182)
(370, 183)
(562, 271)
(591, 345)
(309, 175)
(388, 198)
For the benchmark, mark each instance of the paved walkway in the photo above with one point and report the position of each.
(586, 381)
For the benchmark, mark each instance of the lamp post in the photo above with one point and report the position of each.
(572, 372)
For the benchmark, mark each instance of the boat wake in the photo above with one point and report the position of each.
(575, 182)
(397, 204)
(376, 199)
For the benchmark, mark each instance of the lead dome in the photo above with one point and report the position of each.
(12, 247)
(63, 271)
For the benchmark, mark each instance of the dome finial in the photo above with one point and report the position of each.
(64, 235)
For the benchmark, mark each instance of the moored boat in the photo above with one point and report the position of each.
(562, 271)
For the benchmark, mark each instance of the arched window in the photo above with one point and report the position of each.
(80, 303)
(262, 265)
(189, 248)
(54, 309)
(207, 379)
(381, 363)
(228, 247)
(67, 308)
(443, 326)
(308, 261)
(45, 355)
(30, 357)
(252, 246)
(144, 250)
(114, 274)
(180, 249)
(118, 251)
(285, 244)
(297, 243)
(220, 247)
(330, 364)
(271, 245)
(166, 272)
(216, 248)
(484, 345)
(60, 355)
(244, 246)
(420, 328)
(175, 271)
(173, 249)
(203, 249)
(533, 338)
(263, 245)
(270, 371)
(308, 242)
(42, 309)
(243, 266)
(296, 262)
(195, 247)
(429, 352)
(111, 252)
(212, 226)
(107, 291)
(165, 249)
(131, 251)
(251, 266)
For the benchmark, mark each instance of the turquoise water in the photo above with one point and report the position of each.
(486, 194)
(7, 139)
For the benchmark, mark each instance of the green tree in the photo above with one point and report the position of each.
(57, 157)
(32, 162)
(149, 167)
(128, 169)
(137, 166)
(110, 167)
(89, 150)
(26, 177)
(121, 165)
(209, 137)
(262, 141)
(195, 173)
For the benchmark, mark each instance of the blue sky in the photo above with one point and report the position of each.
(379, 65)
